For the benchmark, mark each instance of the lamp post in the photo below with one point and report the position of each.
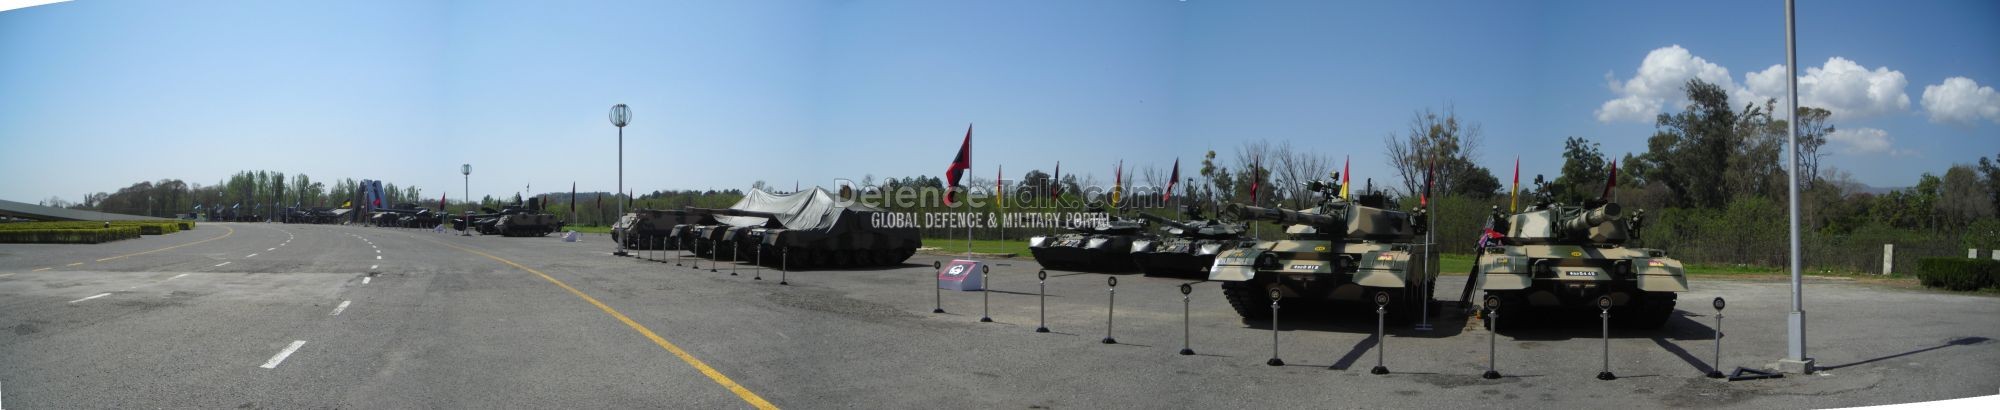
(620, 116)
(466, 228)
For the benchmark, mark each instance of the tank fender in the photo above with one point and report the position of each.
(1236, 265)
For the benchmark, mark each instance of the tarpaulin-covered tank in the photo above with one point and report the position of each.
(803, 230)
(651, 229)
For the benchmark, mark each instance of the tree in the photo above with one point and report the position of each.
(1962, 198)
(1690, 151)
(1219, 180)
(1813, 129)
(1988, 167)
(1440, 139)
(1584, 172)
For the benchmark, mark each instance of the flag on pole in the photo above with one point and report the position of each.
(1430, 178)
(1610, 183)
(441, 198)
(1514, 197)
(1255, 177)
(572, 199)
(1117, 183)
(1055, 187)
(959, 164)
(999, 187)
(346, 204)
(1171, 180)
(1344, 166)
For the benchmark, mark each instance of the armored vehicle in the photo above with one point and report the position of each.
(650, 229)
(1558, 256)
(1187, 248)
(1092, 247)
(805, 230)
(1338, 250)
(527, 220)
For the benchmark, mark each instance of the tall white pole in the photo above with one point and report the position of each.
(1795, 357)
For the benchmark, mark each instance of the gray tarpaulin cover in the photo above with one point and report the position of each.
(814, 210)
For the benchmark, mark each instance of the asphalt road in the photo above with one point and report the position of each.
(399, 318)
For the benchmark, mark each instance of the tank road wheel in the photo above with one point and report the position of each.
(1249, 298)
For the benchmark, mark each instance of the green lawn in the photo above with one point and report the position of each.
(587, 228)
(1018, 247)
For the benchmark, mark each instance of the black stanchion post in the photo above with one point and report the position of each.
(785, 266)
(1381, 342)
(680, 249)
(1275, 361)
(985, 299)
(937, 286)
(1715, 372)
(1187, 323)
(760, 259)
(1042, 296)
(735, 258)
(1110, 308)
(1604, 313)
(712, 259)
(1492, 337)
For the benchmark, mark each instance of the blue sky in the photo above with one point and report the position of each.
(726, 93)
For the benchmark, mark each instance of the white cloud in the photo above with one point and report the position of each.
(1865, 141)
(1658, 83)
(1842, 86)
(1961, 100)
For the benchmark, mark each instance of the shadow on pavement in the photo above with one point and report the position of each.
(1963, 341)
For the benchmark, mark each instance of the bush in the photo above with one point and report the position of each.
(99, 235)
(1958, 273)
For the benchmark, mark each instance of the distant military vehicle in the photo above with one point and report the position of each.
(1338, 250)
(1099, 247)
(1187, 248)
(528, 220)
(1564, 256)
(806, 230)
(650, 229)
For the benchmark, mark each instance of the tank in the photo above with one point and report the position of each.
(805, 230)
(1185, 247)
(1337, 250)
(1556, 256)
(652, 229)
(1102, 247)
(521, 220)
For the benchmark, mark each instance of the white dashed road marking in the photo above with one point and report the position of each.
(378, 257)
(220, 264)
(92, 297)
(372, 267)
(251, 256)
(271, 249)
(177, 276)
(282, 354)
(364, 280)
(337, 309)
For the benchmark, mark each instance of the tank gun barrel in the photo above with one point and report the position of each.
(1582, 222)
(1164, 221)
(732, 212)
(1255, 213)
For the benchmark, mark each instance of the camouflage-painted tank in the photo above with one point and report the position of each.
(1339, 250)
(1559, 256)
(1102, 247)
(525, 220)
(1186, 248)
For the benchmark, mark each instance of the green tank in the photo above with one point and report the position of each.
(1102, 247)
(1338, 250)
(1557, 256)
(1185, 248)
(523, 220)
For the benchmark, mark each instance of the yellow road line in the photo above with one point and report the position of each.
(232, 231)
(712, 374)
(74, 264)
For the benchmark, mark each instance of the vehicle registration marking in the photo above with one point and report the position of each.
(1580, 273)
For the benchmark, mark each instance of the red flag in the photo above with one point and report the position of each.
(1613, 182)
(1430, 177)
(441, 198)
(1117, 182)
(1171, 180)
(1055, 190)
(959, 164)
(1255, 176)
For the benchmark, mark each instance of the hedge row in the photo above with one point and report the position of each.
(1958, 273)
(145, 227)
(98, 235)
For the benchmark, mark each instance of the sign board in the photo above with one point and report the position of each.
(569, 237)
(961, 275)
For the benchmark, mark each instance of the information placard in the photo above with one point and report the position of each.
(961, 275)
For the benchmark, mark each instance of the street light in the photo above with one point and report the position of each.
(621, 115)
(465, 229)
